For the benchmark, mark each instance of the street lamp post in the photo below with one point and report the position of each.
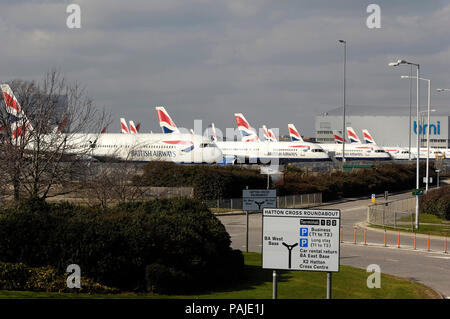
(417, 120)
(428, 129)
(343, 120)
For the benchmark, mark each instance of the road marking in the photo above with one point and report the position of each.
(441, 257)
(354, 208)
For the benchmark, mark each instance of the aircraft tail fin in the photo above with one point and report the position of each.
(272, 136)
(165, 121)
(123, 126)
(213, 131)
(338, 137)
(368, 138)
(353, 138)
(294, 134)
(247, 132)
(133, 129)
(19, 122)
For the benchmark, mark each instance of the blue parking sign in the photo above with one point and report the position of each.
(304, 231)
(303, 242)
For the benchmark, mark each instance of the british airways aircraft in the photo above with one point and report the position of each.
(356, 150)
(252, 150)
(272, 152)
(397, 153)
(178, 148)
(269, 135)
(134, 129)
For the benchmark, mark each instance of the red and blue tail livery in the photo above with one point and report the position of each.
(247, 132)
(272, 136)
(166, 123)
(352, 135)
(123, 126)
(294, 134)
(337, 137)
(133, 129)
(368, 138)
(19, 122)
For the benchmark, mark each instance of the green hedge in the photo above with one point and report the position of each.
(114, 247)
(21, 277)
(338, 184)
(437, 202)
(209, 182)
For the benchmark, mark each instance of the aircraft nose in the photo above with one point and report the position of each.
(214, 155)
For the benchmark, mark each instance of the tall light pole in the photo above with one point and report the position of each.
(343, 120)
(423, 126)
(410, 112)
(418, 145)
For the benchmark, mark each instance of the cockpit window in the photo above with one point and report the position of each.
(203, 145)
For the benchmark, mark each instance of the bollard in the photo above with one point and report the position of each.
(398, 240)
(341, 236)
(415, 241)
(428, 243)
(445, 245)
(354, 237)
(385, 242)
(365, 236)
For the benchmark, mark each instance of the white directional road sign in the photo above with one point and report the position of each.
(301, 239)
(258, 199)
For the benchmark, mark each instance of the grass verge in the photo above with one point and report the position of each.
(349, 283)
(428, 224)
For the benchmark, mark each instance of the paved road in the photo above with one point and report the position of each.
(431, 268)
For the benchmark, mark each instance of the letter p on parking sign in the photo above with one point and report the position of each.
(304, 242)
(304, 232)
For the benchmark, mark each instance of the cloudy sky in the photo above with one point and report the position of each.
(278, 62)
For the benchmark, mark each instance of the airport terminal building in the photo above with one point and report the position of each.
(389, 126)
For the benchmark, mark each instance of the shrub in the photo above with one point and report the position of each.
(209, 182)
(390, 177)
(18, 276)
(115, 246)
(437, 202)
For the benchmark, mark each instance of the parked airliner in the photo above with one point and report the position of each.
(354, 151)
(179, 148)
(252, 150)
(396, 152)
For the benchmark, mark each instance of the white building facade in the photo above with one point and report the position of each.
(388, 126)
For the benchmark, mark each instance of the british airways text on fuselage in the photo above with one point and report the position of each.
(160, 154)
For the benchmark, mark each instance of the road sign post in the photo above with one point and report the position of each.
(301, 239)
(329, 284)
(246, 230)
(256, 200)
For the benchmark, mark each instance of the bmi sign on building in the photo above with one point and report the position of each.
(301, 239)
(258, 199)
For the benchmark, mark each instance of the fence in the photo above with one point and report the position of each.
(291, 201)
(398, 213)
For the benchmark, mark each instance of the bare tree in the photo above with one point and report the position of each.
(113, 183)
(45, 145)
